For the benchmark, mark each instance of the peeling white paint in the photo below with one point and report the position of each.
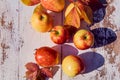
(114, 18)
(24, 40)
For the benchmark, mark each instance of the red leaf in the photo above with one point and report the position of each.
(31, 75)
(47, 72)
(32, 66)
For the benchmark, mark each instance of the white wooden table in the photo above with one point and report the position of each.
(18, 41)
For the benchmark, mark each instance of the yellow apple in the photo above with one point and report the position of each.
(83, 39)
(53, 5)
(72, 65)
(41, 21)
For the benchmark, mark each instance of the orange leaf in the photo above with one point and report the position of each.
(73, 18)
(86, 12)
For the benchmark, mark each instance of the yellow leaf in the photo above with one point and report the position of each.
(86, 12)
(77, 11)
(73, 18)
(69, 8)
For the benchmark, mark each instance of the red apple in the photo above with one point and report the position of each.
(46, 56)
(72, 65)
(59, 34)
(83, 39)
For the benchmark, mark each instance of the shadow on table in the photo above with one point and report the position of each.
(58, 49)
(92, 61)
(103, 36)
(65, 50)
(68, 50)
(99, 10)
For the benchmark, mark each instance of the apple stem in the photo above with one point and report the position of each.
(56, 32)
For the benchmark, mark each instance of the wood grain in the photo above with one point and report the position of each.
(18, 42)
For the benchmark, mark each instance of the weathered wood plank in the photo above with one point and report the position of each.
(102, 60)
(9, 53)
(32, 40)
(18, 41)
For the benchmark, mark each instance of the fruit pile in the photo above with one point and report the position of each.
(42, 21)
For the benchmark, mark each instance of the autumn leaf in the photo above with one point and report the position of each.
(46, 71)
(32, 66)
(35, 73)
(77, 11)
(31, 75)
(69, 8)
(86, 12)
(32, 71)
(72, 17)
